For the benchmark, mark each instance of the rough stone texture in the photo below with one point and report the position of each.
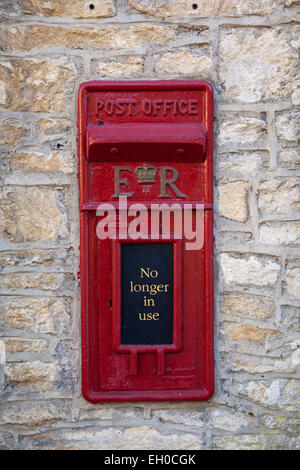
(250, 333)
(16, 345)
(292, 280)
(241, 163)
(166, 8)
(33, 375)
(32, 214)
(25, 38)
(279, 196)
(33, 415)
(247, 306)
(281, 233)
(184, 62)
(264, 63)
(74, 9)
(242, 130)
(11, 131)
(290, 158)
(233, 200)
(35, 315)
(249, 270)
(53, 126)
(288, 127)
(247, 49)
(37, 85)
(55, 161)
(130, 67)
(137, 438)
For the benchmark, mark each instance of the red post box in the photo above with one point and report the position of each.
(145, 173)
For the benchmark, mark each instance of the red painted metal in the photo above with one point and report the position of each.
(125, 124)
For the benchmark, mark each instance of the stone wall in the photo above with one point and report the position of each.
(248, 50)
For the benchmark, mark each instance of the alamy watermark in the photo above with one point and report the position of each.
(159, 221)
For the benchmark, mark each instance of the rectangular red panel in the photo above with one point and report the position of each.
(151, 142)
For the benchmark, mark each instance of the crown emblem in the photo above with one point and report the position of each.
(146, 174)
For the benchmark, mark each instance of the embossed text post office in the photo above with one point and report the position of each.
(146, 162)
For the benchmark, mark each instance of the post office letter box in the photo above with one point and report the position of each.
(145, 178)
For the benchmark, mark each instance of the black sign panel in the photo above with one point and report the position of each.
(147, 293)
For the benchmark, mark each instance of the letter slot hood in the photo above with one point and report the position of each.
(148, 142)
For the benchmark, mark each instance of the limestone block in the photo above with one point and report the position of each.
(243, 130)
(233, 200)
(33, 415)
(37, 85)
(32, 214)
(185, 8)
(260, 271)
(259, 64)
(11, 131)
(247, 306)
(280, 233)
(26, 38)
(74, 9)
(279, 196)
(37, 315)
(31, 375)
(56, 161)
(118, 68)
(288, 127)
(184, 62)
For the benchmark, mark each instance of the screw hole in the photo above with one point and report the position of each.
(92, 7)
(194, 6)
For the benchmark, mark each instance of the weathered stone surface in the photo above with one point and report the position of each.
(259, 64)
(290, 318)
(9, 6)
(243, 130)
(279, 196)
(288, 127)
(74, 9)
(19, 345)
(290, 157)
(241, 163)
(281, 393)
(8, 442)
(249, 270)
(40, 281)
(37, 85)
(247, 306)
(280, 233)
(223, 419)
(128, 67)
(57, 160)
(109, 414)
(32, 415)
(242, 332)
(184, 62)
(137, 438)
(292, 280)
(290, 3)
(37, 315)
(58, 257)
(53, 126)
(25, 38)
(233, 200)
(11, 131)
(32, 214)
(254, 442)
(166, 8)
(233, 238)
(31, 375)
(252, 367)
